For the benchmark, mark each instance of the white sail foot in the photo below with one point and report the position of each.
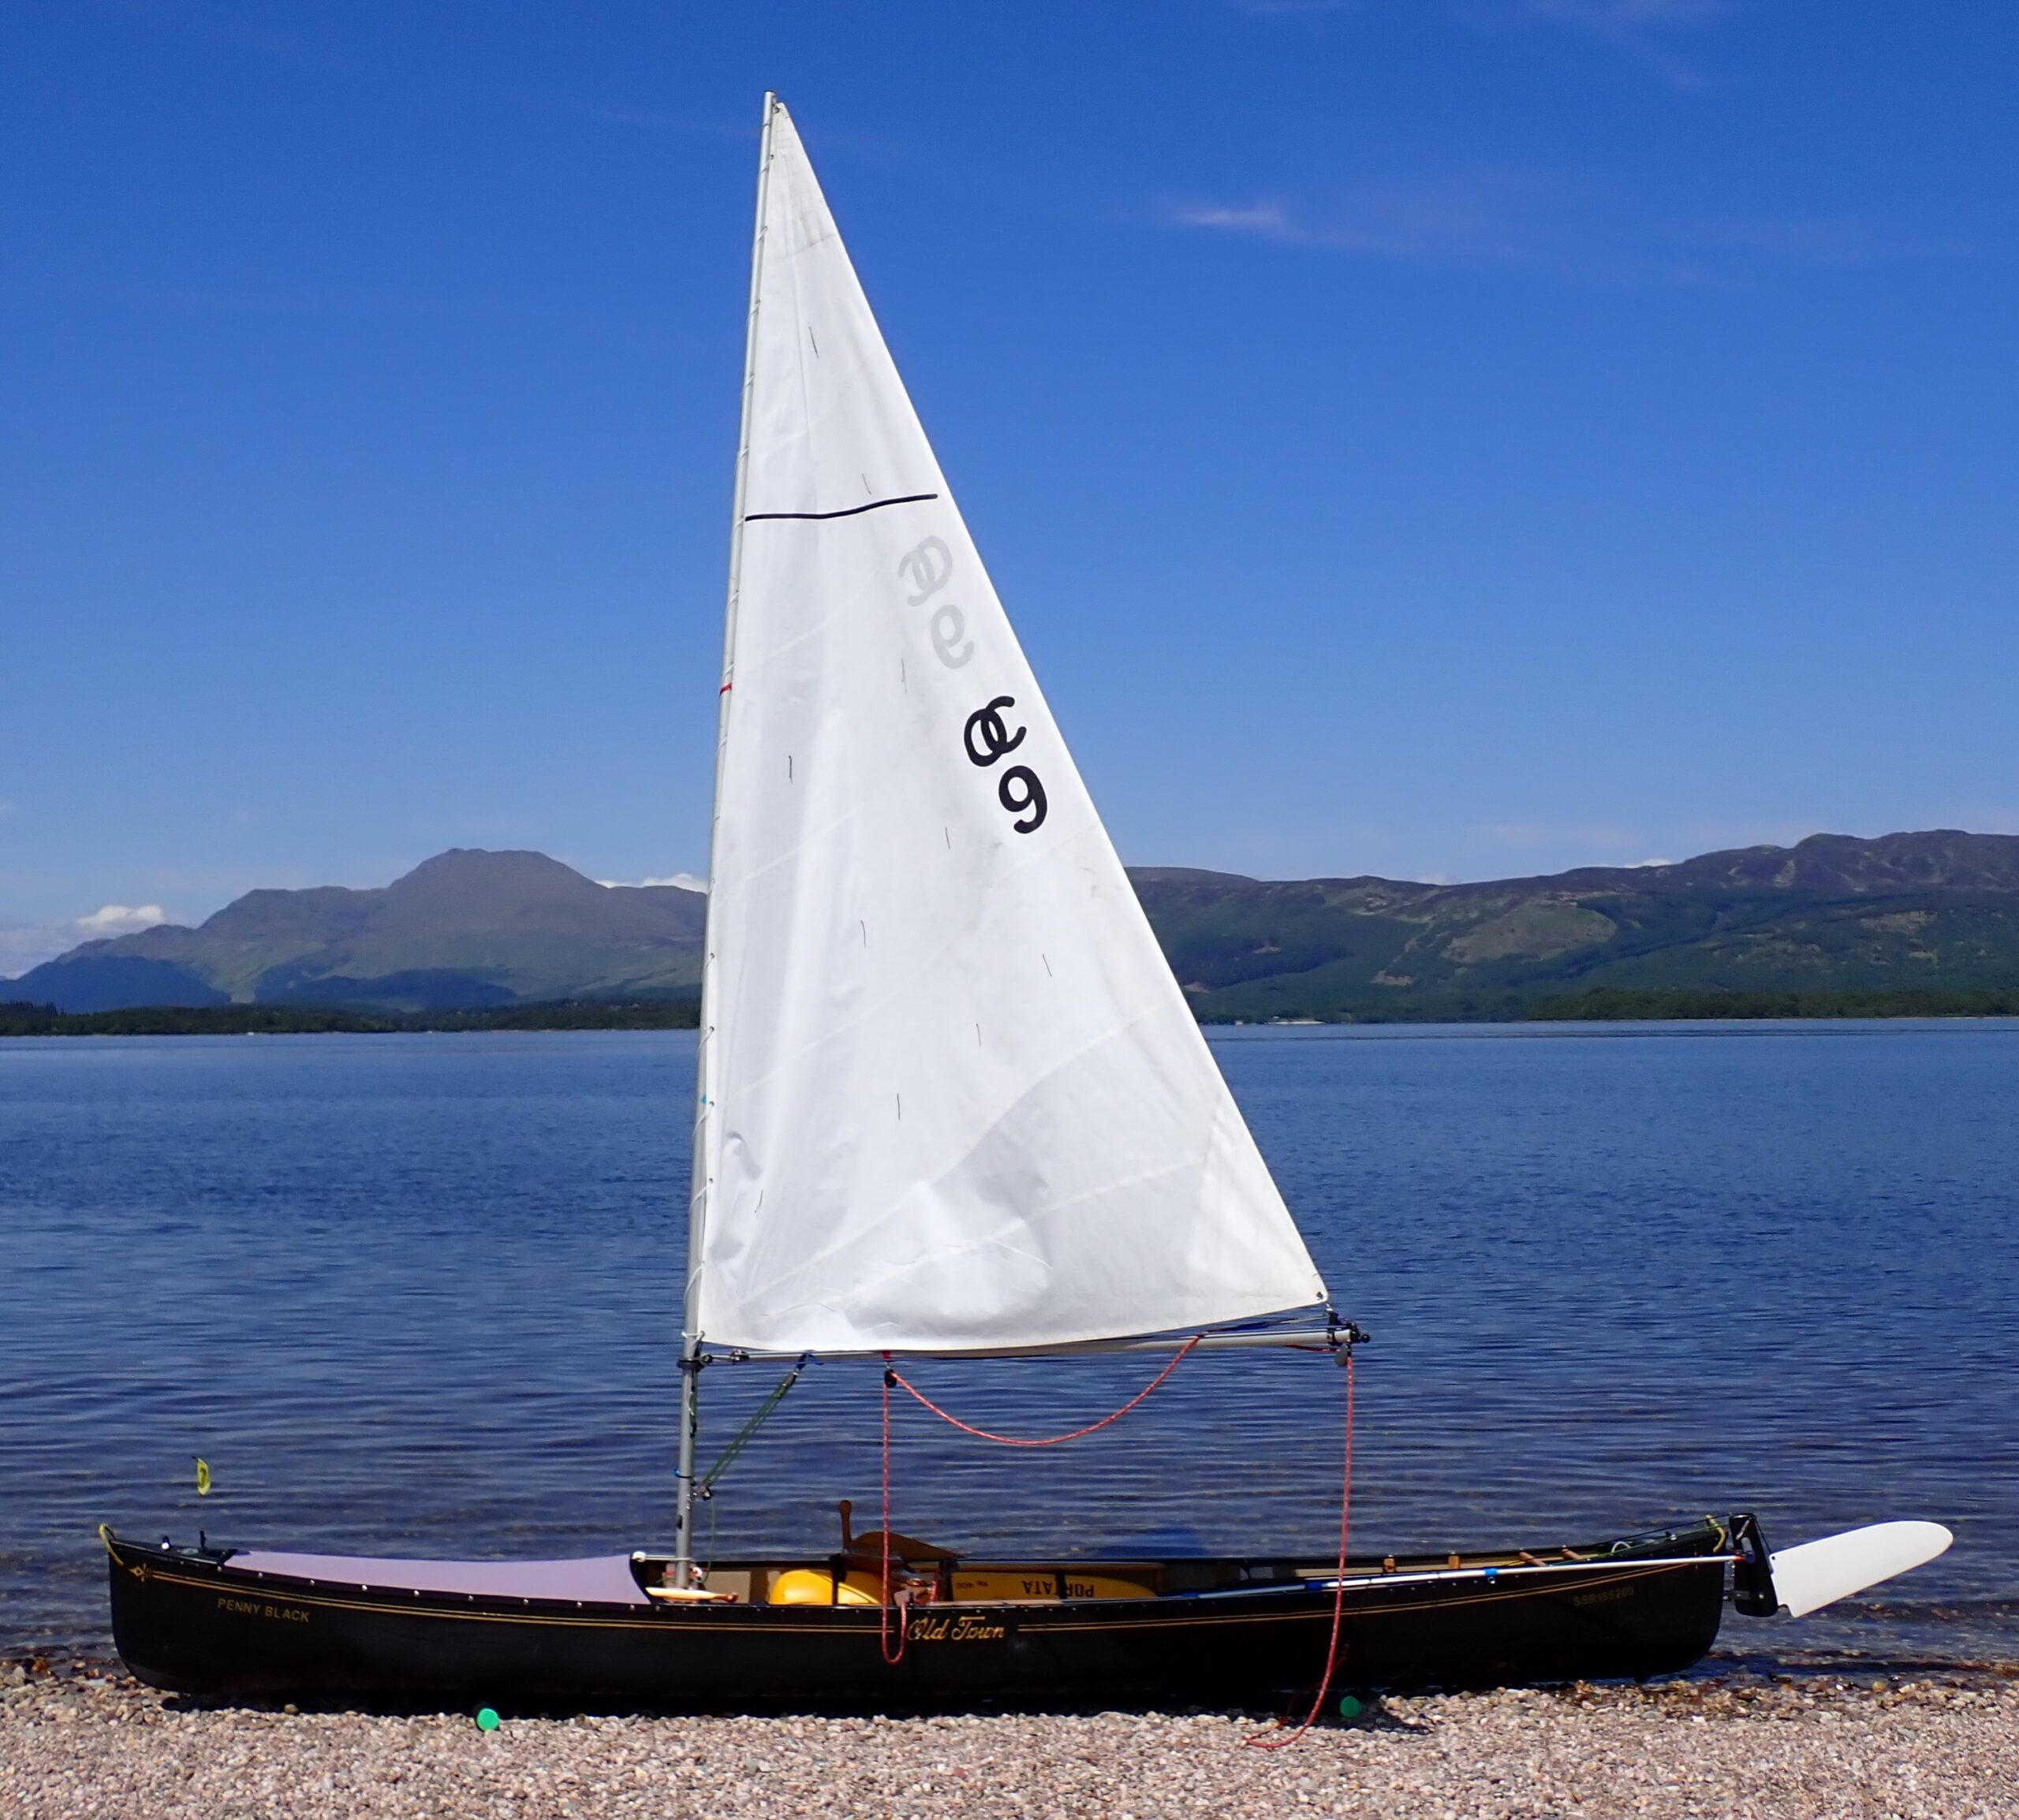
(1814, 1573)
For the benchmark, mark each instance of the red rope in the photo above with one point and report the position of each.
(890, 1377)
(1338, 1587)
(884, 1618)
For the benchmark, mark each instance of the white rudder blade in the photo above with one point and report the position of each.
(1815, 1574)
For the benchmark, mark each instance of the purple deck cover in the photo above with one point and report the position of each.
(599, 1579)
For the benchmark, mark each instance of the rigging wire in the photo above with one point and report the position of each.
(747, 1432)
(704, 1487)
(1332, 1651)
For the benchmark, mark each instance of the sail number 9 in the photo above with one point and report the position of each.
(986, 735)
(1022, 779)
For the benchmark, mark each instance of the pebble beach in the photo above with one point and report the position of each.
(79, 1740)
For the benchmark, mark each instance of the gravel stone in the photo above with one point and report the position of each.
(79, 1741)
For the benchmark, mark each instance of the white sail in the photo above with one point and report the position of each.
(953, 1098)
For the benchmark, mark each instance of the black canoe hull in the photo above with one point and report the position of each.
(191, 1623)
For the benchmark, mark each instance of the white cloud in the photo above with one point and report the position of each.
(1643, 865)
(1267, 218)
(1555, 222)
(26, 945)
(680, 880)
(1469, 217)
(1637, 28)
(121, 919)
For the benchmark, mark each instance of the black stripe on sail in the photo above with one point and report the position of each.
(847, 511)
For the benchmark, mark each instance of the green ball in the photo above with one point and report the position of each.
(1349, 1707)
(486, 1718)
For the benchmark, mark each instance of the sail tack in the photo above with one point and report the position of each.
(954, 1099)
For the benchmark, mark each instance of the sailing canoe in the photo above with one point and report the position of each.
(590, 1636)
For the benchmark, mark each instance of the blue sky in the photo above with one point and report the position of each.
(1435, 439)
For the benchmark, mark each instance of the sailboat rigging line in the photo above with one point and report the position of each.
(883, 1615)
(1338, 1585)
(846, 512)
(700, 1181)
(747, 1432)
(891, 1377)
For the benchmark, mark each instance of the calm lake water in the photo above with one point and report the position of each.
(420, 1294)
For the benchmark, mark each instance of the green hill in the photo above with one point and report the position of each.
(466, 929)
(1831, 925)
(1906, 913)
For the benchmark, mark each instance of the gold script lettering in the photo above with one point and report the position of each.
(967, 1627)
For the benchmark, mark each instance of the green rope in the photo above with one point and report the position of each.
(747, 1432)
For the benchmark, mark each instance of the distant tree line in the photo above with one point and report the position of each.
(19, 1019)
(1610, 1003)
(1602, 1004)
(1616, 1004)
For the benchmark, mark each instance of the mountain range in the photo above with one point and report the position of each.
(1936, 911)
(467, 928)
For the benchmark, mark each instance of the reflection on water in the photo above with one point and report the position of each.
(420, 1294)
